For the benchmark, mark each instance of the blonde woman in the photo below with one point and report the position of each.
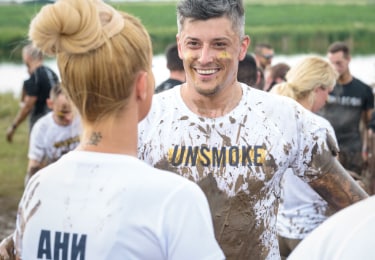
(100, 201)
(301, 209)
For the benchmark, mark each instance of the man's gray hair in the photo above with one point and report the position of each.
(207, 9)
(33, 52)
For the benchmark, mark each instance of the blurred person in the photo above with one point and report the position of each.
(248, 72)
(371, 155)
(106, 203)
(175, 67)
(275, 74)
(263, 55)
(35, 90)
(54, 134)
(349, 104)
(235, 141)
(301, 209)
(346, 235)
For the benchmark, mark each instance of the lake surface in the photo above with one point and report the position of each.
(13, 75)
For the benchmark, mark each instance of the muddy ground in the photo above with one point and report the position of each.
(8, 211)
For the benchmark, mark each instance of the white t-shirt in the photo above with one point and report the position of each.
(238, 160)
(107, 206)
(301, 209)
(347, 235)
(49, 141)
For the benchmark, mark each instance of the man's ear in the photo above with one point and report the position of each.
(245, 43)
(49, 103)
(179, 46)
(141, 86)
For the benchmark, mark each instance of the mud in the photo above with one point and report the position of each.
(8, 212)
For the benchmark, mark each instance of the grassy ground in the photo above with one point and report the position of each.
(13, 163)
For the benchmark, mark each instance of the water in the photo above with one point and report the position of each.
(13, 75)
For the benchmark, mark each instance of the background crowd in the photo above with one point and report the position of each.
(214, 86)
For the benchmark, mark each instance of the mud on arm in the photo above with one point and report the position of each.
(335, 184)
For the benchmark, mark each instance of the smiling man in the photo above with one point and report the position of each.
(234, 141)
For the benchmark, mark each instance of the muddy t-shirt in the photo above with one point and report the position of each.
(237, 160)
(91, 205)
(49, 141)
(301, 209)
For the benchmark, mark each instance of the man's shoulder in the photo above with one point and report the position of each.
(359, 83)
(167, 84)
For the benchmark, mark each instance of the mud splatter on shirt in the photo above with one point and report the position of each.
(238, 160)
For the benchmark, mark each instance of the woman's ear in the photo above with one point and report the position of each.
(143, 93)
(141, 86)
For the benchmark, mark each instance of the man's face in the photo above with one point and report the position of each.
(339, 61)
(27, 61)
(62, 111)
(265, 59)
(210, 50)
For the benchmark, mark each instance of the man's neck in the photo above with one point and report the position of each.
(36, 64)
(177, 75)
(212, 106)
(345, 78)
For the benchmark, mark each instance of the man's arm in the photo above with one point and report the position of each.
(336, 186)
(29, 102)
(366, 119)
(32, 167)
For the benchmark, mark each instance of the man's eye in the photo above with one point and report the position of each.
(193, 44)
(220, 45)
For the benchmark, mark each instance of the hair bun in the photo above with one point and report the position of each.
(74, 26)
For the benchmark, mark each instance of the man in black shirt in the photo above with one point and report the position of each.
(35, 90)
(350, 104)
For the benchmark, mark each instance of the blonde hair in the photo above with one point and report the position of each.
(99, 52)
(302, 79)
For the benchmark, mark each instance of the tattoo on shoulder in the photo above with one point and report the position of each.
(95, 138)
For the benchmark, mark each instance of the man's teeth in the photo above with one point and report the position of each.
(206, 72)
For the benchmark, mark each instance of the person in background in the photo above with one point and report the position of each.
(175, 67)
(99, 201)
(233, 140)
(263, 53)
(301, 209)
(54, 134)
(275, 74)
(248, 72)
(371, 154)
(349, 105)
(35, 90)
(346, 235)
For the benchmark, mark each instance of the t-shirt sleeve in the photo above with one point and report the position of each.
(314, 142)
(36, 143)
(27, 206)
(369, 101)
(30, 86)
(188, 226)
